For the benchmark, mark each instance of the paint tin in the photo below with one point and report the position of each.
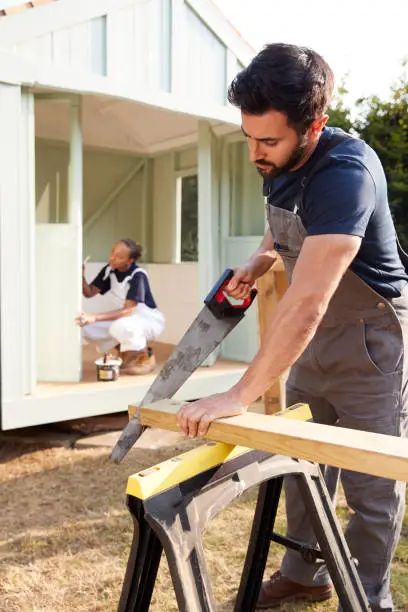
(107, 369)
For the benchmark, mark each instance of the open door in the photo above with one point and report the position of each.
(59, 256)
(242, 230)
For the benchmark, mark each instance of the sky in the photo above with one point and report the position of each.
(364, 41)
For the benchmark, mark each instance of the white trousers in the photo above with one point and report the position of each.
(132, 332)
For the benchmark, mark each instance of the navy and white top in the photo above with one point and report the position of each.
(138, 288)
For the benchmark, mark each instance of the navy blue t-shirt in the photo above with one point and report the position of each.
(348, 195)
(139, 287)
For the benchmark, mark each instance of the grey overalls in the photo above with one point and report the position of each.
(352, 374)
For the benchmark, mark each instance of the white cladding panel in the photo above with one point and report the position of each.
(243, 342)
(138, 42)
(16, 241)
(82, 46)
(58, 303)
(202, 64)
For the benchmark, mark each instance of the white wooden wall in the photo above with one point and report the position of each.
(164, 209)
(82, 46)
(243, 342)
(247, 208)
(138, 39)
(112, 183)
(58, 302)
(123, 218)
(17, 208)
(199, 58)
(242, 210)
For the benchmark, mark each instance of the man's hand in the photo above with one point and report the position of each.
(242, 282)
(194, 418)
(85, 319)
(259, 263)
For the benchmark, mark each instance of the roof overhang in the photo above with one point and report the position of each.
(115, 115)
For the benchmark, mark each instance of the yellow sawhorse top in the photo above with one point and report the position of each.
(167, 474)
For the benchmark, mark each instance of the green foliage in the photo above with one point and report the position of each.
(339, 114)
(340, 117)
(189, 218)
(384, 126)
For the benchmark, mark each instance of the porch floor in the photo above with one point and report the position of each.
(54, 402)
(161, 352)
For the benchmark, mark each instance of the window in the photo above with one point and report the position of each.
(189, 218)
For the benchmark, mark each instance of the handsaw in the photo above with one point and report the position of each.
(215, 321)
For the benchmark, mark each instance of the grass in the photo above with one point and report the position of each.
(65, 535)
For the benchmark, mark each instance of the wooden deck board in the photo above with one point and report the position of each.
(90, 383)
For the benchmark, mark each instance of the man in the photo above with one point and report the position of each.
(343, 322)
(136, 319)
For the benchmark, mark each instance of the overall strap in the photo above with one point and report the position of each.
(111, 272)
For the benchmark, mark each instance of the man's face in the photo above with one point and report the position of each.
(119, 258)
(274, 147)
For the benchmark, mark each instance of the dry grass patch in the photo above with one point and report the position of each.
(65, 534)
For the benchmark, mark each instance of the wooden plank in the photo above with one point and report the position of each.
(271, 287)
(360, 451)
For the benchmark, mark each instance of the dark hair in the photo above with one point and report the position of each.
(135, 249)
(287, 78)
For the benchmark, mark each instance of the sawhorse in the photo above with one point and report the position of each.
(172, 503)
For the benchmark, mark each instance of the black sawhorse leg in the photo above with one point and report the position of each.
(259, 544)
(333, 547)
(176, 518)
(143, 563)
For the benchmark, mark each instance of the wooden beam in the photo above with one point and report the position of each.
(359, 451)
(271, 287)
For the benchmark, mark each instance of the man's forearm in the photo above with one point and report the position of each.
(264, 257)
(290, 330)
(261, 261)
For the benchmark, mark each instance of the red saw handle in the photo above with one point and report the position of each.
(219, 303)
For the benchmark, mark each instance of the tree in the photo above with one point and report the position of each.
(339, 114)
(384, 126)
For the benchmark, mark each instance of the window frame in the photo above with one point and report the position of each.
(179, 176)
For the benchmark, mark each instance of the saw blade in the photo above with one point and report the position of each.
(200, 340)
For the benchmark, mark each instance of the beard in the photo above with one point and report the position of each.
(272, 171)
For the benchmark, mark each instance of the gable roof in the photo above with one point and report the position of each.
(60, 14)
